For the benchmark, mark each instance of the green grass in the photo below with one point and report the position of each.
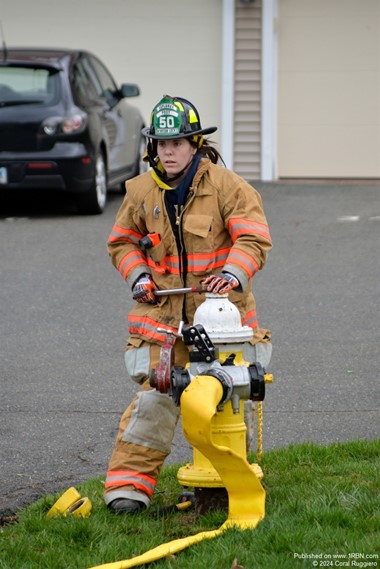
(320, 500)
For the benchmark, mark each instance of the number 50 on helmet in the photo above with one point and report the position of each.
(175, 117)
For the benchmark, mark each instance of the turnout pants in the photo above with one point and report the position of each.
(146, 429)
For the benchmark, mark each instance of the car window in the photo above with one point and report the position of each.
(109, 89)
(84, 88)
(22, 85)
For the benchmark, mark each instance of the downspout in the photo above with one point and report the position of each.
(227, 100)
(269, 90)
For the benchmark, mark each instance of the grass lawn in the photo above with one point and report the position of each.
(322, 510)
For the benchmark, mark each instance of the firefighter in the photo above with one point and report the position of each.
(188, 220)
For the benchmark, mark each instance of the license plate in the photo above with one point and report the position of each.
(3, 175)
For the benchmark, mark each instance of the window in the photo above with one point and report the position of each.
(108, 87)
(85, 90)
(19, 85)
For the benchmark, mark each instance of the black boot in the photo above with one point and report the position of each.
(126, 506)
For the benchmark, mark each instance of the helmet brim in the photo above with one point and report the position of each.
(146, 132)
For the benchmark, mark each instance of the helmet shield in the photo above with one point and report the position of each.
(167, 119)
(175, 117)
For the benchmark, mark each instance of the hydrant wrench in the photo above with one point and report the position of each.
(179, 290)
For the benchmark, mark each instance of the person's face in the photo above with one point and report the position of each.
(175, 154)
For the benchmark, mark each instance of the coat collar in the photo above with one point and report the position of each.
(203, 167)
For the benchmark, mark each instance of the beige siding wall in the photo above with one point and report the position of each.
(166, 46)
(247, 118)
(329, 89)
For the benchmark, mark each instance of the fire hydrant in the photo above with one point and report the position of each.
(220, 353)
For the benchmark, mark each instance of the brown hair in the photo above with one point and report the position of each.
(210, 151)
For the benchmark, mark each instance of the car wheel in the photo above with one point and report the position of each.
(94, 201)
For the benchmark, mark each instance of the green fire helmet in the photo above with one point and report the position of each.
(175, 117)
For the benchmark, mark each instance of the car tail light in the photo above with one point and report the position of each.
(41, 165)
(70, 124)
(73, 124)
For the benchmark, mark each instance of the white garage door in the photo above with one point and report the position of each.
(329, 89)
(165, 46)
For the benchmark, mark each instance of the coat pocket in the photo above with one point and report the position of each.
(200, 243)
(199, 225)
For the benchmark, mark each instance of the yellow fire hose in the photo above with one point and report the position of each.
(71, 503)
(246, 495)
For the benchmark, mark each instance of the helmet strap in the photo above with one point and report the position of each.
(165, 178)
(151, 154)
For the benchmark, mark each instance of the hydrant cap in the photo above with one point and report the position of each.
(221, 320)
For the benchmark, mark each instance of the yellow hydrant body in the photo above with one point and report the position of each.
(228, 429)
(222, 322)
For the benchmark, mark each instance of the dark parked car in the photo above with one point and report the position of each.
(66, 125)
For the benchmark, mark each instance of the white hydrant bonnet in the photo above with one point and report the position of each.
(221, 320)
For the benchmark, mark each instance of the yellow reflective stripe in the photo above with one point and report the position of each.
(192, 116)
(179, 105)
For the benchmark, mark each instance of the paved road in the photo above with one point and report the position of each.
(63, 312)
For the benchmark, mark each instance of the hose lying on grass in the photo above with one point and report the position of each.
(246, 496)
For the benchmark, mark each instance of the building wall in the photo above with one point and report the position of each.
(329, 89)
(165, 46)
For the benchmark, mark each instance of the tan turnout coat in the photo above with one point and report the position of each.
(222, 226)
